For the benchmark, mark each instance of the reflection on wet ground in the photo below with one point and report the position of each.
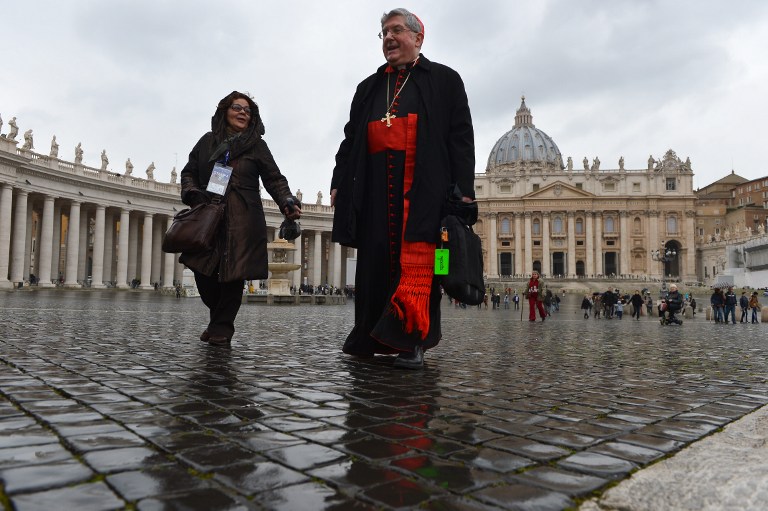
(108, 400)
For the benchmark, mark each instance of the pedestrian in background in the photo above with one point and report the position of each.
(535, 297)
(730, 305)
(754, 304)
(717, 301)
(744, 305)
(586, 305)
(637, 304)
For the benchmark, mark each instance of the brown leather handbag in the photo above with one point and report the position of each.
(194, 229)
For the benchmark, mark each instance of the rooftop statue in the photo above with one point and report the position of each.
(319, 198)
(104, 159)
(174, 175)
(570, 163)
(128, 167)
(621, 163)
(28, 142)
(14, 129)
(54, 148)
(151, 172)
(585, 161)
(1, 123)
(79, 153)
(651, 161)
(596, 164)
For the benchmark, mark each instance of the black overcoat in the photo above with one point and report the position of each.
(445, 153)
(241, 249)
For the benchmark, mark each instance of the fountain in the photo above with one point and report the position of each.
(279, 285)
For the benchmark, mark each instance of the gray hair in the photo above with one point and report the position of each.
(411, 21)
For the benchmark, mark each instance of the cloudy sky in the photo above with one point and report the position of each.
(141, 78)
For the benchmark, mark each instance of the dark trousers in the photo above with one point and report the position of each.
(223, 299)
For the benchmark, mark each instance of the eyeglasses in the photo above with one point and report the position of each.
(240, 108)
(396, 30)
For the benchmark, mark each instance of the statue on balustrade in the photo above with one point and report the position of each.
(14, 129)
(596, 164)
(585, 161)
(319, 198)
(104, 159)
(28, 142)
(760, 229)
(651, 161)
(570, 164)
(299, 195)
(54, 148)
(621, 163)
(128, 167)
(151, 172)
(79, 153)
(1, 123)
(174, 175)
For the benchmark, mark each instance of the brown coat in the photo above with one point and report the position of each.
(241, 250)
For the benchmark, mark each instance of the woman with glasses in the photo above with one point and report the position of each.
(235, 142)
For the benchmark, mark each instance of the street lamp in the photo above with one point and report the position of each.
(664, 255)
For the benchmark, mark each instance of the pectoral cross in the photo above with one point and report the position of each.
(388, 119)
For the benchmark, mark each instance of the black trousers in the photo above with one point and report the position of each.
(223, 299)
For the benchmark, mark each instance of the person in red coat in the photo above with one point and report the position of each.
(534, 288)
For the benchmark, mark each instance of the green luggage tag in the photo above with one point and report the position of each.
(441, 261)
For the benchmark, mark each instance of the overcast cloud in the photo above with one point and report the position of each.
(629, 78)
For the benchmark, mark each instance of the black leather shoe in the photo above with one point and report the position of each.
(218, 340)
(414, 360)
(205, 335)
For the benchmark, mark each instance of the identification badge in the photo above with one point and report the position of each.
(441, 261)
(219, 179)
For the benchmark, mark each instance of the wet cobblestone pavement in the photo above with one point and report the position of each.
(108, 400)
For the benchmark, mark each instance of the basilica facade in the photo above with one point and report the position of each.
(540, 212)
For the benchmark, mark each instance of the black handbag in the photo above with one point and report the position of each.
(194, 229)
(464, 281)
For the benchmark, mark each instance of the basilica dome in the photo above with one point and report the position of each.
(524, 143)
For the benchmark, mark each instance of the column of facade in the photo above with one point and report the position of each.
(493, 256)
(133, 250)
(73, 245)
(655, 244)
(46, 243)
(121, 277)
(28, 263)
(157, 254)
(689, 272)
(337, 249)
(6, 202)
(528, 244)
(571, 245)
(626, 249)
(34, 259)
(297, 259)
(169, 260)
(518, 244)
(598, 244)
(146, 252)
(590, 245)
(109, 247)
(546, 267)
(317, 260)
(56, 245)
(97, 271)
(19, 239)
(82, 259)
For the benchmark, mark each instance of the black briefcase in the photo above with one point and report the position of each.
(464, 281)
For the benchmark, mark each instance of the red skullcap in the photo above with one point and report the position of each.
(420, 23)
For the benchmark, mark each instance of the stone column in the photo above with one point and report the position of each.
(317, 259)
(133, 250)
(73, 245)
(528, 244)
(46, 243)
(82, 260)
(518, 244)
(19, 239)
(590, 245)
(571, 244)
(56, 272)
(626, 249)
(121, 278)
(653, 239)
(689, 272)
(493, 256)
(598, 244)
(109, 247)
(28, 263)
(337, 264)
(6, 203)
(146, 252)
(97, 274)
(546, 267)
(169, 261)
(157, 254)
(297, 259)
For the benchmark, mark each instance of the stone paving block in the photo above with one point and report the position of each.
(310, 495)
(258, 477)
(210, 498)
(33, 455)
(562, 481)
(211, 457)
(597, 464)
(629, 452)
(95, 496)
(127, 458)
(157, 482)
(31, 436)
(44, 476)
(107, 440)
(524, 498)
(400, 493)
(373, 448)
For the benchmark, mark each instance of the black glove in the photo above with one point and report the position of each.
(195, 197)
(291, 203)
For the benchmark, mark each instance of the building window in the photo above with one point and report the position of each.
(636, 187)
(505, 188)
(580, 186)
(637, 225)
(609, 224)
(536, 243)
(610, 243)
(671, 184)
(672, 225)
(478, 189)
(505, 226)
(579, 243)
(609, 187)
(557, 225)
(536, 188)
(505, 244)
(536, 227)
(579, 226)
